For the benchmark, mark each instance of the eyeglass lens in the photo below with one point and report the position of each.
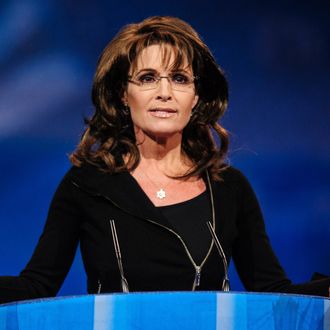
(178, 81)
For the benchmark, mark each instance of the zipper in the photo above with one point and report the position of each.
(198, 268)
(99, 286)
(197, 278)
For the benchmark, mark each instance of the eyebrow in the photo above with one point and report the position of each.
(147, 70)
(155, 71)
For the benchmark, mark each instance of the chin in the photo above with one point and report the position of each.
(165, 134)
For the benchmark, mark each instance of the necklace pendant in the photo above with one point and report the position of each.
(161, 193)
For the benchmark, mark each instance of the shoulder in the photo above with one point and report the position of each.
(87, 174)
(235, 181)
(77, 176)
(95, 181)
(232, 176)
(235, 191)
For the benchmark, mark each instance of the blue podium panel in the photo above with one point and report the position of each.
(51, 314)
(272, 312)
(171, 310)
(152, 311)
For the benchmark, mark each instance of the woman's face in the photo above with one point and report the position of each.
(161, 111)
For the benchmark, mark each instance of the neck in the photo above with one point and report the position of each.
(164, 153)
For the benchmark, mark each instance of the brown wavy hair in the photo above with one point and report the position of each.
(110, 135)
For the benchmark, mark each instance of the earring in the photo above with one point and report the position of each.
(126, 109)
(194, 113)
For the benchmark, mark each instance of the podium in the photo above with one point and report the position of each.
(169, 310)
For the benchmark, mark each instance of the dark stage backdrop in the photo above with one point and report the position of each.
(276, 57)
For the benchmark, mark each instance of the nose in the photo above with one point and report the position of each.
(164, 89)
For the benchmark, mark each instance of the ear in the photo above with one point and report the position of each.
(124, 98)
(195, 101)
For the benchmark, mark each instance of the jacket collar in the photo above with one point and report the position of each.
(120, 189)
(123, 191)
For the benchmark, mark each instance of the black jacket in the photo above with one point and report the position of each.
(154, 258)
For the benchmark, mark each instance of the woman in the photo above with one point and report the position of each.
(148, 175)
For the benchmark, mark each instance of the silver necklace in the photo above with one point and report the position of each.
(160, 193)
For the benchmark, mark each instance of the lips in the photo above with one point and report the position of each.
(162, 112)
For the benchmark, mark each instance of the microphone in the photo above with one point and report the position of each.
(225, 283)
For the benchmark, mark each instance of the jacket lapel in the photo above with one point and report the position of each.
(121, 189)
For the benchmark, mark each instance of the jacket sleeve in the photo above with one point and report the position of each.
(54, 253)
(255, 261)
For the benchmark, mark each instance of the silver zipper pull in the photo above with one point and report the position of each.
(197, 278)
(124, 285)
(99, 286)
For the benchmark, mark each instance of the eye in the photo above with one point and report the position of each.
(146, 78)
(180, 78)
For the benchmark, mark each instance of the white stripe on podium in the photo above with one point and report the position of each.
(231, 312)
(326, 320)
(103, 312)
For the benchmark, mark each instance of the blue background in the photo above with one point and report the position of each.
(276, 56)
